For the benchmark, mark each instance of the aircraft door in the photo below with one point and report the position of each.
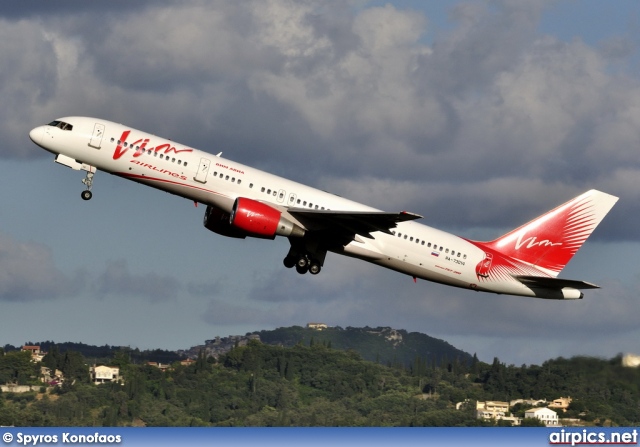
(292, 200)
(281, 195)
(203, 171)
(96, 136)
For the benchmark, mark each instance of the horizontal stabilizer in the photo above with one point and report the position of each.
(553, 283)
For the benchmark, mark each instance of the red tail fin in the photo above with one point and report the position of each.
(550, 241)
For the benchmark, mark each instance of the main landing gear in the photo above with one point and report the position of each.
(306, 255)
(303, 264)
(88, 182)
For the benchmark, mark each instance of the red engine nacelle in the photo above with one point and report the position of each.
(217, 221)
(258, 219)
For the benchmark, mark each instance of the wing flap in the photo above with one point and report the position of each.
(553, 283)
(352, 223)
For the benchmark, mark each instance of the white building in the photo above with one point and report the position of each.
(492, 409)
(104, 374)
(631, 360)
(547, 416)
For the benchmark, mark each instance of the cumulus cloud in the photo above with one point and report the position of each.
(118, 280)
(356, 93)
(28, 272)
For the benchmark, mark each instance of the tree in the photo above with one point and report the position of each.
(17, 367)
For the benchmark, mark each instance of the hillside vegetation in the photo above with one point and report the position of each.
(303, 385)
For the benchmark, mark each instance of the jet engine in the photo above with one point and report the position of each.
(250, 218)
(260, 220)
(217, 221)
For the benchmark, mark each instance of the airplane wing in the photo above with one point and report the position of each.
(350, 224)
(553, 283)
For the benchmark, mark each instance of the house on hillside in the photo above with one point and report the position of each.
(317, 326)
(36, 354)
(491, 409)
(49, 377)
(544, 414)
(104, 374)
(495, 410)
(562, 403)
(161, 366)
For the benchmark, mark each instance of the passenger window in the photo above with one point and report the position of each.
(458, 255)
(268, 191)
(405, 236)
(411, 238)
(227, 177)
(422, 242)
(233, 179)
(262, 190)
(239, 181)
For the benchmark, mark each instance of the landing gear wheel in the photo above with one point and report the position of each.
(289, 262)
(314, 268)
(302, 270)
(303, 263)
(86, 195)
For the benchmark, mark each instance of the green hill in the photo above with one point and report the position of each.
(381, 345)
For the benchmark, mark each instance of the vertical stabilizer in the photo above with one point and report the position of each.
(550, 241)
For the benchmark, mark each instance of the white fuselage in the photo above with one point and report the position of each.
(414, 249)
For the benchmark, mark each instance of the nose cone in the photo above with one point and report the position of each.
(36, 135)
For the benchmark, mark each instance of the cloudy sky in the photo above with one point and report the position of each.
(479, 115)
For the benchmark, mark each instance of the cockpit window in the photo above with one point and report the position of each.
(61, 124)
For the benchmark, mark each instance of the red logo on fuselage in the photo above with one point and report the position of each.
(141, 147)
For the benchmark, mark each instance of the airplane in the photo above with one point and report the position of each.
(242, 201)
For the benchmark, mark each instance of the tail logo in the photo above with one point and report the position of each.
(484, 266)
(531, 242)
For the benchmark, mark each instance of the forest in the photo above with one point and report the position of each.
(309, 384)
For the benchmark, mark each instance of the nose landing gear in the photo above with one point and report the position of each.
(88, 182)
